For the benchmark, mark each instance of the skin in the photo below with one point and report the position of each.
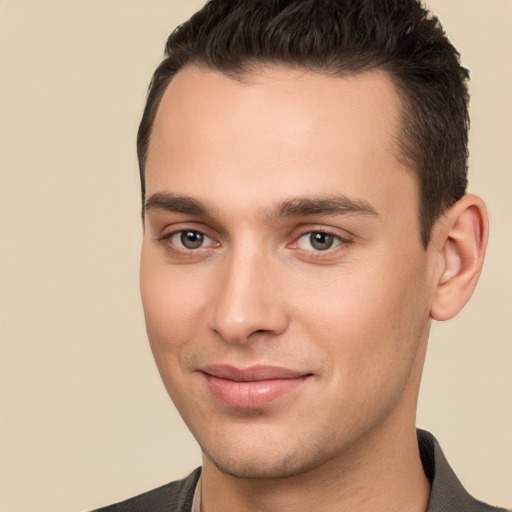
(251, 168)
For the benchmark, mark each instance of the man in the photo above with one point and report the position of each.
(303, 168)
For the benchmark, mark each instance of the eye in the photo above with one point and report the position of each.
(189, 239)
(318, 241)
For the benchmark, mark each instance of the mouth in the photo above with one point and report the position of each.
(253, 387)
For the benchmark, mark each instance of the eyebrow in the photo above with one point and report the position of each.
(168, 202)
(331, 205)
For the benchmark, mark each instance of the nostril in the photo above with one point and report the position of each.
(259, 332)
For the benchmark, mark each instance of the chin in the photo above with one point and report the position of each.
(266, 462)
(257, 469)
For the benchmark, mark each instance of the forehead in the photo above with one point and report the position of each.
(276, 133)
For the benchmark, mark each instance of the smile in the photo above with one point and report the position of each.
(253, 387)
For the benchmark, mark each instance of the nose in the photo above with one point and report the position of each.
(248, 301)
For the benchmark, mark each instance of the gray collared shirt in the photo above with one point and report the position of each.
(447, 493)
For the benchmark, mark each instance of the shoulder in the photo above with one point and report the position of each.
(173, 497)
(447, 492)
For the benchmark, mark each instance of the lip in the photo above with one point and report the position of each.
(253, 387)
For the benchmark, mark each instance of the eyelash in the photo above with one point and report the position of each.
(167, 240)
(337, 240)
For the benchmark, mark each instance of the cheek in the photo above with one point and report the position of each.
(370, 320)
(172, 303)
(171, 310)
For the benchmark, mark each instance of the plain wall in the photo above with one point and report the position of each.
(84, 419)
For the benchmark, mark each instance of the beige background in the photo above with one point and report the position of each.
(84, 420)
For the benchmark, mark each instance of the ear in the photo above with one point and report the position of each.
(460, 240)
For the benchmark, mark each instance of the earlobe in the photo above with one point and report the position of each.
(461, 240)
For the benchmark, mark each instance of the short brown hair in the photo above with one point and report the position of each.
(341, 37)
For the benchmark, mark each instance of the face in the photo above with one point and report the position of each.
(285, 287)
